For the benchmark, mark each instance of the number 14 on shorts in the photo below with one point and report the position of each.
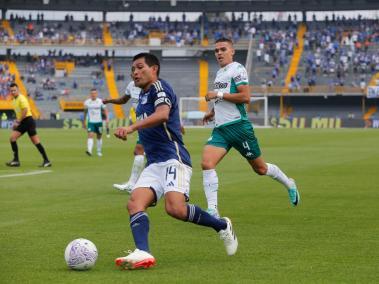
(170, 175)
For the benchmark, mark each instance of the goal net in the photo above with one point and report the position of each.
(192, 116)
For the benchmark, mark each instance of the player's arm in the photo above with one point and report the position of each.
(24, 111)
(241, 97)
(84, 118)
(119, 101)
(209, 116)
(160, 116)
(104, 112)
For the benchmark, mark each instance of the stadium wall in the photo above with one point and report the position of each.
(293, 122)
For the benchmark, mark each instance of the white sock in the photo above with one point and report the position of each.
(137, 168)
(210, 183)
(276, 173)
(99, 145)
(89, 144)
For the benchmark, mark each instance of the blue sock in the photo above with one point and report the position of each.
(198, 216)
(139, 224)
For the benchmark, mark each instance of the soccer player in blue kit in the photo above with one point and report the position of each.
(168, 170)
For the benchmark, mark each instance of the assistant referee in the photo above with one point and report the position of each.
(24, 123)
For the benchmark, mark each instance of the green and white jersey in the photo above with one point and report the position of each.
(133, 92)
(228, 78)
(94, 108)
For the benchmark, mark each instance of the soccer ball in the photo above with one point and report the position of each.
(80, 254)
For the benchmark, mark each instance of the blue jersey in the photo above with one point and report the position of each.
(162, 142)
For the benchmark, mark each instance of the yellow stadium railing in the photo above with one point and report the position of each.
(112, 88)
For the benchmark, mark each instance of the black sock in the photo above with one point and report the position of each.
(42, 151)
(107, 130)
(15, 150)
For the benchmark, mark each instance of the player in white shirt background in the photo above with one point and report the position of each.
(233, 128)
(94, 110)
(131, 93)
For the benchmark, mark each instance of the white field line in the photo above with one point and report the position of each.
(26, 174)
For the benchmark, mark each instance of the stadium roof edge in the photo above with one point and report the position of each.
(190, 6)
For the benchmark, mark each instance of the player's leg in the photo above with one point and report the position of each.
(176, 181)
(137, 167)
(15, 162)
(177, 207)
(273, 171)
(99, 134)
(214, 151)
(139, 201)
(32, 132)
(146, 193)
(106, 122)
(246, 143)
(36, 141)
(138, 163)
(91, 133)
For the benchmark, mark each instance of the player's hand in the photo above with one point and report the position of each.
(106, 101)
(210, 96)
(209, 116)
(122, 132)
(15, 125)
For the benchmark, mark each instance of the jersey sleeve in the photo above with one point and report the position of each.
(240, 76)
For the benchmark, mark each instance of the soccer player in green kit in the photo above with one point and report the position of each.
(233, 128)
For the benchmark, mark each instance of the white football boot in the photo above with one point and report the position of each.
(124, 186)
(229, 237)
(135, 260)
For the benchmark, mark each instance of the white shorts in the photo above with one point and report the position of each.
(165, 177)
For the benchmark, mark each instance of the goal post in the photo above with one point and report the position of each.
(191, 116)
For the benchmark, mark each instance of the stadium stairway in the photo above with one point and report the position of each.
(298, 51)
(112, 88)
(373, 109)
(292, 69)
(14, 70)
(370, 112)
(107, 36)
(374, 79)
(5, 24)
(203, 84)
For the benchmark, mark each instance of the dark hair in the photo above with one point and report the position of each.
(13, 85)
(93, 90)
(150, 60)
(224, 39)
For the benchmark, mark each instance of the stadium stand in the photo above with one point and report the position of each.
(289, 58)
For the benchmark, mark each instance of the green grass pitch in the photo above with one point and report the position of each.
(332, 237)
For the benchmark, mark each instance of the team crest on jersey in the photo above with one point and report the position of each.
(143, 99)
